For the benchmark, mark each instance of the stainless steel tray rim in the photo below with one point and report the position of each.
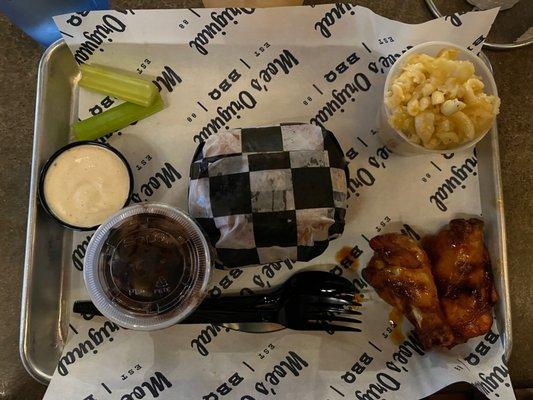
(24, 346)
(503, 243)
(30, 366)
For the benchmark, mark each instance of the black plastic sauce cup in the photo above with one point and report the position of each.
(48, 164)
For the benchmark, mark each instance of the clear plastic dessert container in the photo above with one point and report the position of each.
(147, 267)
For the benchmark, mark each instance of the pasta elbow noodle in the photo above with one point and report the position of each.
(452, 106)
(464, 124)
(424, 125)
(437, 97)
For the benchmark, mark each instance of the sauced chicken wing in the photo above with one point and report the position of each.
(401, 274)
(462, 273)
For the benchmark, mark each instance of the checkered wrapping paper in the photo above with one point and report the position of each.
(271, 193)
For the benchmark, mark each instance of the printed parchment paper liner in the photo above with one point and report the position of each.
(242, 67)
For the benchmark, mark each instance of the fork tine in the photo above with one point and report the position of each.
(332, 310)
(331, 317)
(311, 299)
(345, 296)
(351, 311)
(320, 326)
(354, 303)
(327, 303)
(336, 318)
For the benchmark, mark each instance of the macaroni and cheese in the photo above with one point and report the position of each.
(438, 102)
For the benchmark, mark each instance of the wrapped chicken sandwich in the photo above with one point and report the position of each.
(268, 194)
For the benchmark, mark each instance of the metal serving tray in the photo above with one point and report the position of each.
(45, 314)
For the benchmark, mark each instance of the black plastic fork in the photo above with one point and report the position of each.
(309, 300)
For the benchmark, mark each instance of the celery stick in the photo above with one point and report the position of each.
(114, 119)
(104, 80)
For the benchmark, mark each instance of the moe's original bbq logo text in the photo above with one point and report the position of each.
(219, 21)
(391, 379)
(101, 33)
(95, 337)
(167, 177)
(205, 337)
(243, 101)
(287, 368)
(78, 254)
(283, 64)
(331, 17)
(457, 180)
(168, 79)
(153, 387)
(339, 97)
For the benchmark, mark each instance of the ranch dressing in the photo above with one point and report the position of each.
(86, 184)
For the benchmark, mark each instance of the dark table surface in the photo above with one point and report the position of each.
(19, 57)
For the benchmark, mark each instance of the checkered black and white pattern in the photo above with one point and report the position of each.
(271, 193)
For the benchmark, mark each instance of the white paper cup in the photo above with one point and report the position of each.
(396, 140)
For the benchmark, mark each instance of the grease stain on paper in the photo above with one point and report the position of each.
(345, 257)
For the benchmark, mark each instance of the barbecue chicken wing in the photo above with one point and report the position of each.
(401, 274)
(462, 273)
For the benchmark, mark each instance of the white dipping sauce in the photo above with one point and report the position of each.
(86, 184)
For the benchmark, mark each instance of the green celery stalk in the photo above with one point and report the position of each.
(131, 89)
(114, 119)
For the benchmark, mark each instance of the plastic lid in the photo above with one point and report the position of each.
(147, 267)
